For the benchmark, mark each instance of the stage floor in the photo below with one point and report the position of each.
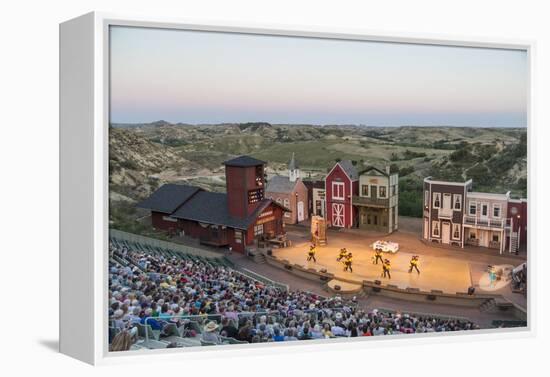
(448, 274)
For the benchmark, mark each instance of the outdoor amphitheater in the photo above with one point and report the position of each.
(171, 295)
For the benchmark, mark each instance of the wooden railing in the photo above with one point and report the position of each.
(487, 222)
(375, 202)
(445, 213)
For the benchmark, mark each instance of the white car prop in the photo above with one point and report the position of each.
(386, 246)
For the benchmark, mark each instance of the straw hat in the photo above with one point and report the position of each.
(211, 326)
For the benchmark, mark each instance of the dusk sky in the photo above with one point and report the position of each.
(206, 77)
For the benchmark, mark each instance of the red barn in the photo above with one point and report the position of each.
(235, 218)
(341, 184)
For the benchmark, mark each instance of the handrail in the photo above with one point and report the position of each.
(255, 276)
(488, 222)
(130, 237)
(421, 314)
(220, 316)
(183, 316)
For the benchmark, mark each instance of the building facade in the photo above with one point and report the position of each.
(377, 200)
(444, 211)
(456, 215)
(341, 184)
(233, 219)
(316, 197)
(291, 193)
(319, 201)
(485, 222)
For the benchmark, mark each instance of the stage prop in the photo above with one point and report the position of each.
(318, 230)
(386, 246)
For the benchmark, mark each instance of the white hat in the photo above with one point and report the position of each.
(211, 326)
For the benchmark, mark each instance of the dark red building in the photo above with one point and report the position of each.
(235, 218)
(517, 212)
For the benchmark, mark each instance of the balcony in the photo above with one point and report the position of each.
(371, 202)
(486, 222)
(445, 213)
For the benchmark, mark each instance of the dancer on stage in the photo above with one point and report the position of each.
(348, 262)
(311, 253)
(342, 255)
(377, 255)
(414, 264)
(386, 267)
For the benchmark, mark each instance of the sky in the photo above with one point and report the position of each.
(209, 77)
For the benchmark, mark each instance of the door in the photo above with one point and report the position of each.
(446, 232)
(446, 201)
(338, 215)
(300, 211)
(373, 191)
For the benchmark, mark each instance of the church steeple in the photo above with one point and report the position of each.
(293, 170)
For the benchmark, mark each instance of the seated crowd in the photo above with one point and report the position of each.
(158, 290)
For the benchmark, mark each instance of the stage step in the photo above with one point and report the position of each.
(258, 257)
(488, 305)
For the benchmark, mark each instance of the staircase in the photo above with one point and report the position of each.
(488, 306)
(514, 242)
(257, 256)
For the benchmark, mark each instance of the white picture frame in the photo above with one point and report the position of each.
(84, 118)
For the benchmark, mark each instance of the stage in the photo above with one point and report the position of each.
(439, 272)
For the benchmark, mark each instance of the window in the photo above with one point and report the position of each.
(238, 236)
(259, 176)
(382, 191)
(254, 196)
(472, 235)
(365, 190)
(484, 209)
(338, 190)
(496, 238)
(437, 200)
(280, 201)
(435, 228)
(394, 190)
(287, 205)
(456, 231)
(258, 230)
(496, 211)
(426, 198)
(473, 208)
(457, 202)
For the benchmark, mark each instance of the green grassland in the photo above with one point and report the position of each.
(144, 156)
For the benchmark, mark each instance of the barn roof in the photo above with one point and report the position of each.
(350, 170)
(244, 161)
(280, 184)
(168, 198)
